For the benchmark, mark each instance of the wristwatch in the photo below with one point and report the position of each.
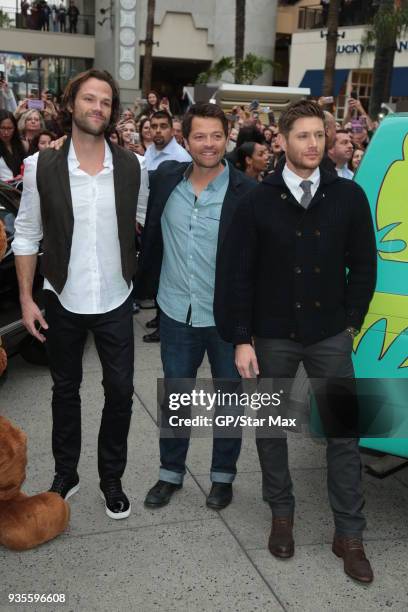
(353, 331)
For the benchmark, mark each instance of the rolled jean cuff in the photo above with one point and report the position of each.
(224, 477)
(173, 477)
(281, 510)
(348, 533)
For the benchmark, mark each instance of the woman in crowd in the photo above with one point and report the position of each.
(153, 103)
(356, 159)
(12, 151)
(131, 139)
(146, 138)
(252, 159)
(29, 125)
(41, 141)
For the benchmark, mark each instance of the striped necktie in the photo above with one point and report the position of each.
(307, 193)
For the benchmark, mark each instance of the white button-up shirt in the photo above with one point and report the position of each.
(293, 181)
(95, 283)
(172, 151)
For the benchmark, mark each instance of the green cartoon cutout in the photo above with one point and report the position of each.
(392, 211)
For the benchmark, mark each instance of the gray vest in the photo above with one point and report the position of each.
(58, 217)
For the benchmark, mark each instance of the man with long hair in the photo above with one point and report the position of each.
(81, 201)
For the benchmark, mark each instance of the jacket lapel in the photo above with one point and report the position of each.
(63, 176)
(230, 203)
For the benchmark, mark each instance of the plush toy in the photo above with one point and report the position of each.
(3, 247)
(25, 522)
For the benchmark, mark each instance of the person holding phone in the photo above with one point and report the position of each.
(29, 125)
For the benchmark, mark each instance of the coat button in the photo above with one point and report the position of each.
(298, 233)
(283, 196)
(298, 305)
(317, 304)
(298, 270)
(317, 232)
(292, 335)
(317, 269)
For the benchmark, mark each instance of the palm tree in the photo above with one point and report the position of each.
(331, 47)
(389, 22)
(239, 37)
(148, 55)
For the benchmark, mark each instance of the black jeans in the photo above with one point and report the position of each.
(329, 358)
(66, 337)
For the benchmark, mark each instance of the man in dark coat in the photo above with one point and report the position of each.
(301, 272)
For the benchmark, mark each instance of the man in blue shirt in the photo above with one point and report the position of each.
(183, 253)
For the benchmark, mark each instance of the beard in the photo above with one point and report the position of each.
(84, 125)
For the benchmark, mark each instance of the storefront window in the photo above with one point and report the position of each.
(28, 74)
(360, 82)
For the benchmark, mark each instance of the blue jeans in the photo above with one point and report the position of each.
(182, 351)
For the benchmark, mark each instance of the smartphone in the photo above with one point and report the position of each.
(353, 95)
(135, 138)
(35, 104)
(328, 100)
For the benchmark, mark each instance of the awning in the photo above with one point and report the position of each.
(314, 80)
(399, 83)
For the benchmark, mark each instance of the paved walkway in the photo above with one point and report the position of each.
(185, 556)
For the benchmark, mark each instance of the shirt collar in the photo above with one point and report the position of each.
(295, 179)
(215, 183)
(73, 161)
(168, 149)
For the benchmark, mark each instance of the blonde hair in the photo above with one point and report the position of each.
(25, 116)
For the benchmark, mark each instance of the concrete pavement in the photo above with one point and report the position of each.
(185, 556)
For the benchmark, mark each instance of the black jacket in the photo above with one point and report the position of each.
(299, 274)
(162, 183)
(58, 217)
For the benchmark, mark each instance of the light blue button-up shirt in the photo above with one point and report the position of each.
(190, 235)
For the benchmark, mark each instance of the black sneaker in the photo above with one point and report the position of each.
(117, 505)
(65, 485)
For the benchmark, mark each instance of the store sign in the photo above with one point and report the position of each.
(359, 48)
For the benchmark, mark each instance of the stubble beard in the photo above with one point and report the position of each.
(83, 126)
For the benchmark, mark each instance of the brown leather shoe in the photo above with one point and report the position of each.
(356, 564)
(281, 543)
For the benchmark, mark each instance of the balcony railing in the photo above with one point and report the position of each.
(352, 14)
(10, 18)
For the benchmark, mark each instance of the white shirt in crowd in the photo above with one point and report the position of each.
(172, 151)
(5, 173)
(345, 172)
(95, 283)
(143, 191)
(293, 181)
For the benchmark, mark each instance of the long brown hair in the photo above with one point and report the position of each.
(71, 91)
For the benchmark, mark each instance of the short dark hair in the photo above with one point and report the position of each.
(71, 91)
(299, 110)
(250, 133)
(162, 114)
(245, 150)
(342, 131)
(204, 110)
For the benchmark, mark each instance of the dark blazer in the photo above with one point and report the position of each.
(162, 183)
(294, 273)
(58, 217)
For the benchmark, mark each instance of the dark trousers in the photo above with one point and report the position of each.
(182, 351)
(330, 358)
(66, 337)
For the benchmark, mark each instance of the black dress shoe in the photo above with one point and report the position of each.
(160, 494)
(65, 485)
(153, 323)
(153, 337)
(220, 495)
(117, 505)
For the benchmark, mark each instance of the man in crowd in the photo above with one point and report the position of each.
(341, 153)
(73, 14)
(81, 201)
(164, 148)
(189, 211)
(178, 131)
(301, 274)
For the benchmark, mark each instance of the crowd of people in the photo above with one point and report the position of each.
(261, 275)
(39, 15)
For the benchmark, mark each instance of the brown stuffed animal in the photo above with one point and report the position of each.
(25, 522)
(3, 247)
